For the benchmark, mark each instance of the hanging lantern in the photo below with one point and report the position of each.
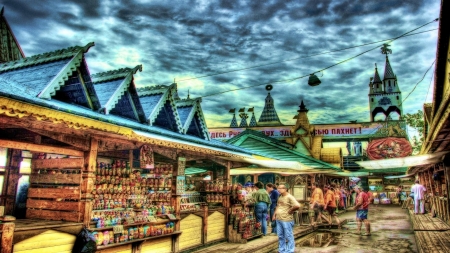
(313, 80)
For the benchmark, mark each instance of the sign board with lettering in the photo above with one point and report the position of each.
(380, 129)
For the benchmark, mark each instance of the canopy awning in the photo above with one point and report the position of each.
(408, 161)
(275, 166)
(253, 171)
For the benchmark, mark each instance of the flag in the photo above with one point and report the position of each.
(242, 109)
(251, 109)
(232, 110)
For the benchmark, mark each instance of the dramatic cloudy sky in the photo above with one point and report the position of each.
(256, 42)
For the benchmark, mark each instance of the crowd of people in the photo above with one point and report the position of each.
(274, 207)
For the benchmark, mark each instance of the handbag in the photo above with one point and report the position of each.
(84, 243)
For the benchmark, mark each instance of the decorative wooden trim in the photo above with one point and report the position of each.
(53, 205)
(54, 193)
(39, 148)
(62, 163)
(7, 236)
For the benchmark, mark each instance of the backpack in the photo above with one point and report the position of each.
(85, 242)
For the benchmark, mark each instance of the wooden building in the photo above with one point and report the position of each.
(435, 173)
(98, 145)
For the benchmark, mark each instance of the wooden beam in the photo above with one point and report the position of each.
(40, 148)
(78, 142)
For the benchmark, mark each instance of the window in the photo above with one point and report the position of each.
(371, 99)
(397, 97)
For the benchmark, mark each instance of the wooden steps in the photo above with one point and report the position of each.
(424, 222)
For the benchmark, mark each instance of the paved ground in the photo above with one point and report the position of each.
(391, 232)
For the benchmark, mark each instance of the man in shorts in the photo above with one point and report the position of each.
(316, 203)
(330, 205)
(362, 210)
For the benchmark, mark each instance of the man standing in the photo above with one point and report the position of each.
(286, 206)
(317, 203)
(262, 203)
(362, 210)
(330, 205)
(419, 197)
(274, 194)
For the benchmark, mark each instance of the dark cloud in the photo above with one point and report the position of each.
(267, 41)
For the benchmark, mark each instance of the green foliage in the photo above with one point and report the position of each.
(415, 120)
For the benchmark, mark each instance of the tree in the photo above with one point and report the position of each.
(415, 120)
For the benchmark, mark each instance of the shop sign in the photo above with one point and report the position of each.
(228, 133)
(367, 129)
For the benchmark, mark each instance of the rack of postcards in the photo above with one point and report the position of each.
(243, 224)
(131, 204)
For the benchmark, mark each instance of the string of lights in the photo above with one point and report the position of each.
(307, 75)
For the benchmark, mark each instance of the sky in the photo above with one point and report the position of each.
(211, 48)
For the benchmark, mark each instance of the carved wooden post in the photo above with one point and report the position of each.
(7, 236)
(226, 200)
(90, 162)
(205, 223)
(12, 177)
(178, 170)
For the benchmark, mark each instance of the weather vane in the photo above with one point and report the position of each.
(385, 49)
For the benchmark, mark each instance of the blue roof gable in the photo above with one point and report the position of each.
(158, 103)
(117, 93)
(33, 78)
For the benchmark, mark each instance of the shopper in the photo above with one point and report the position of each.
(344, 196)
(418, 191)
(286, 205)
(316, 203)
(274, 194)
(330, 206)
(262, 204)
(362, 210)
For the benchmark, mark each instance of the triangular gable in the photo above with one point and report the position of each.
(42, 75)
(78, 89)
(117, 93)
(76, 56)
(159, 106)
(192, 118)
(11, 50)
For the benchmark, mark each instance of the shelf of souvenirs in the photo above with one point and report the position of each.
(122, 167)
(125, 216)
(115, 201)
(119, 235)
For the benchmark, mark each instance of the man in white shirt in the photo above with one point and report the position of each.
(419, 197)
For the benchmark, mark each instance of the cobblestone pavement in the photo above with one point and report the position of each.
(391, 232)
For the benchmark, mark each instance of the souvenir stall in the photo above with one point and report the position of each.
(204, 191)
(104, 162)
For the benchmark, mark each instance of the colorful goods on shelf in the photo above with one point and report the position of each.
(244, 222)
(107, 218)
(118, 186)
(132, 233)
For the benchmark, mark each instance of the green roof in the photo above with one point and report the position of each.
(272, 148)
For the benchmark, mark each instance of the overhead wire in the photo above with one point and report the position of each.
(297, 58)
(328, 67)
(415, 86)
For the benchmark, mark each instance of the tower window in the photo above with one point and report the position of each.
(397, 97)
(371, 99)
(389, 82)
(378, 86)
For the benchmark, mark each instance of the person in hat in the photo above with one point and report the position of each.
(362, 210)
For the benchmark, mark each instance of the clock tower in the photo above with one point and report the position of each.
(385, 97)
